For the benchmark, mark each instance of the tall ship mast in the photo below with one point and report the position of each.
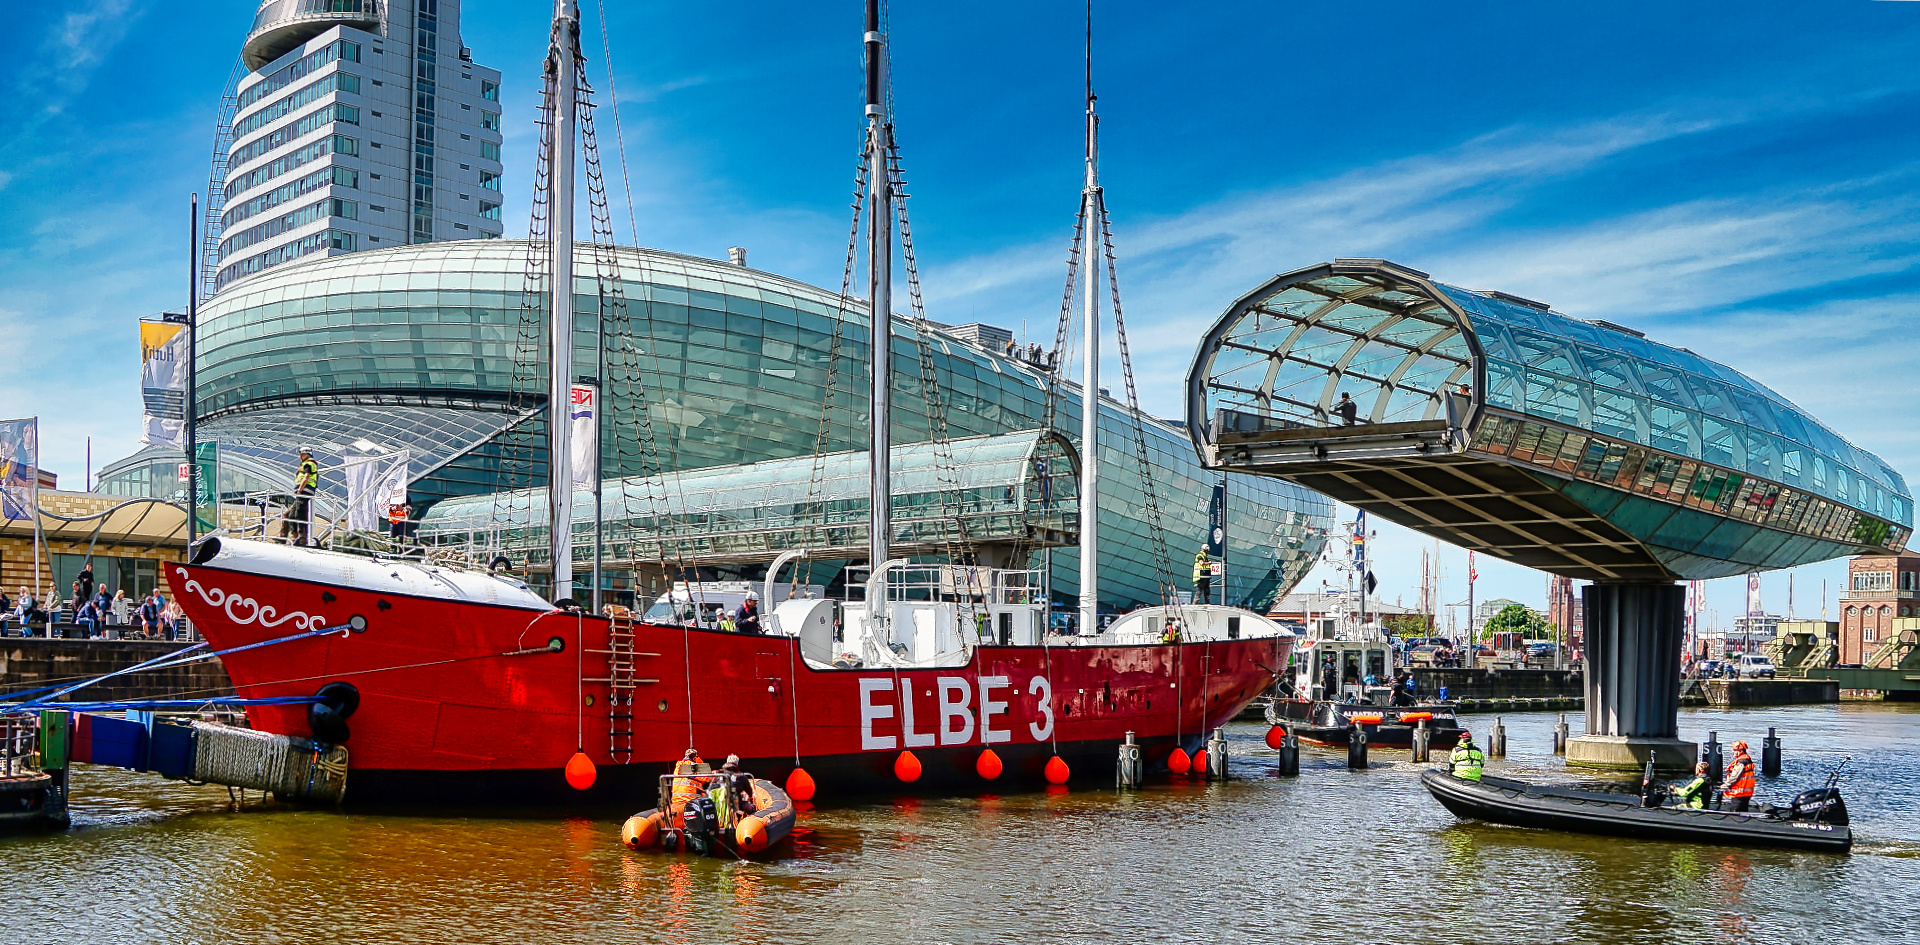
(562, 73)
(935, 673)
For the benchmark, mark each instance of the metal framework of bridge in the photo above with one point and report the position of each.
(1577, 447)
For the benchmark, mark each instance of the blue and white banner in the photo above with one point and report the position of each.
(374, 484)
(19, 468)
(584, 414)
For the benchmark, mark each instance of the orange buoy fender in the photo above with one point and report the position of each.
(1276, 737)
(1412, 717)
(1057, 770)
(1366, 719)
(642, 830)
(770, 822)
(906, 767)
(1178, 762)
(800, 785)
(580, 771)
(988, 765)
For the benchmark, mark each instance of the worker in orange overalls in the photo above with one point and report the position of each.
(1739, 791)
(686, 788)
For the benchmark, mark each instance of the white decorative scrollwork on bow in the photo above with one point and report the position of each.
(256, 612)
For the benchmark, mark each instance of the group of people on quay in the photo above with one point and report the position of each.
(94, 612)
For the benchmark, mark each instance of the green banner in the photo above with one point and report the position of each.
(206, 499)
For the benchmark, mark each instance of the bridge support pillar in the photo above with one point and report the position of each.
(1634, 634)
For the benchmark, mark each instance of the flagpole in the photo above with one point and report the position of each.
(193, 312)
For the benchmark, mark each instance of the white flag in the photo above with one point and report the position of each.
(374, 483)
(584, 414)
(163, 385)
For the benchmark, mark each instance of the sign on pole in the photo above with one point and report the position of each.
(206, 492)
(163, 385)
(584, 414)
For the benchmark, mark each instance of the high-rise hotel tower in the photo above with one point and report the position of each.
(358, 124)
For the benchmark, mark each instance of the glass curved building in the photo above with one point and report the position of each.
(434, 349)
(1578, 447)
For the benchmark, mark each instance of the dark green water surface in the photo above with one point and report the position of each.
(1333, 856)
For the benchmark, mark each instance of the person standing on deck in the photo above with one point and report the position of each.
(747, 620)
(306, 481)
(1202, 578)
(1739, 780)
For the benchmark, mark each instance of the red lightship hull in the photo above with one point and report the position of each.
(467, 704)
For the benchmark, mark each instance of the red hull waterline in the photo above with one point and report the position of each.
(463, 703)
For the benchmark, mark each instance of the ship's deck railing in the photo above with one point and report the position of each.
(957, 582)
(19, 745)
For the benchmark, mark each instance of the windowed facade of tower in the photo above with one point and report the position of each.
(361, 124)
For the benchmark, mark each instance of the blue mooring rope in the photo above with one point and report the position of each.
(170, 660)
(143, 705)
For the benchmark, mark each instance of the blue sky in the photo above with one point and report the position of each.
(1738, 178)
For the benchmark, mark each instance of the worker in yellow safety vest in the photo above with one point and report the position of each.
(1694, 793)
(296, 525)
(1467, 759)
(1202, 578)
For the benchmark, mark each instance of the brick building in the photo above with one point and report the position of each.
(1880, 589)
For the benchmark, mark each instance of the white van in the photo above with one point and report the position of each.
(1753, 666)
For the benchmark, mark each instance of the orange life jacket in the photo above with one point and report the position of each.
(1740, 776)
(685, 789)
(396, 514)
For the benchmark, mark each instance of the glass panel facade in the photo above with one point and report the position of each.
(1686, 483)
(1672, 400)
(733, 366)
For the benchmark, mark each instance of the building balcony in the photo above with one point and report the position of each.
(280, 26)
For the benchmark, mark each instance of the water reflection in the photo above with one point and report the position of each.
(1281, 858)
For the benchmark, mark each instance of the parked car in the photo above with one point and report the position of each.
(1540, 651)
(1754, 666)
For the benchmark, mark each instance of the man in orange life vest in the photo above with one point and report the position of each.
(1739, 780)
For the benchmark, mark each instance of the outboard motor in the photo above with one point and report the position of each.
(702, 825)
(1822, 805)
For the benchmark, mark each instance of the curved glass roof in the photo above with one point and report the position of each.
(1002, 484)
(1399, 345)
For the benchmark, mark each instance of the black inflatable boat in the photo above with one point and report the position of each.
(1326, 724)
(1816, 820)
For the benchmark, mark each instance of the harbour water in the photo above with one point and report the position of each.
(1332, 856)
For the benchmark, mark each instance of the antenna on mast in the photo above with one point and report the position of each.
(1093, 214)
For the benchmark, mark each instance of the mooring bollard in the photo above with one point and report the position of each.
(1497, 740)
(1422, 742)
(1770, 754)
(1131, 771)
(1289, 755)
(1357, 748)
(1217, 756)
(1560, 736)
(1716, 766)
